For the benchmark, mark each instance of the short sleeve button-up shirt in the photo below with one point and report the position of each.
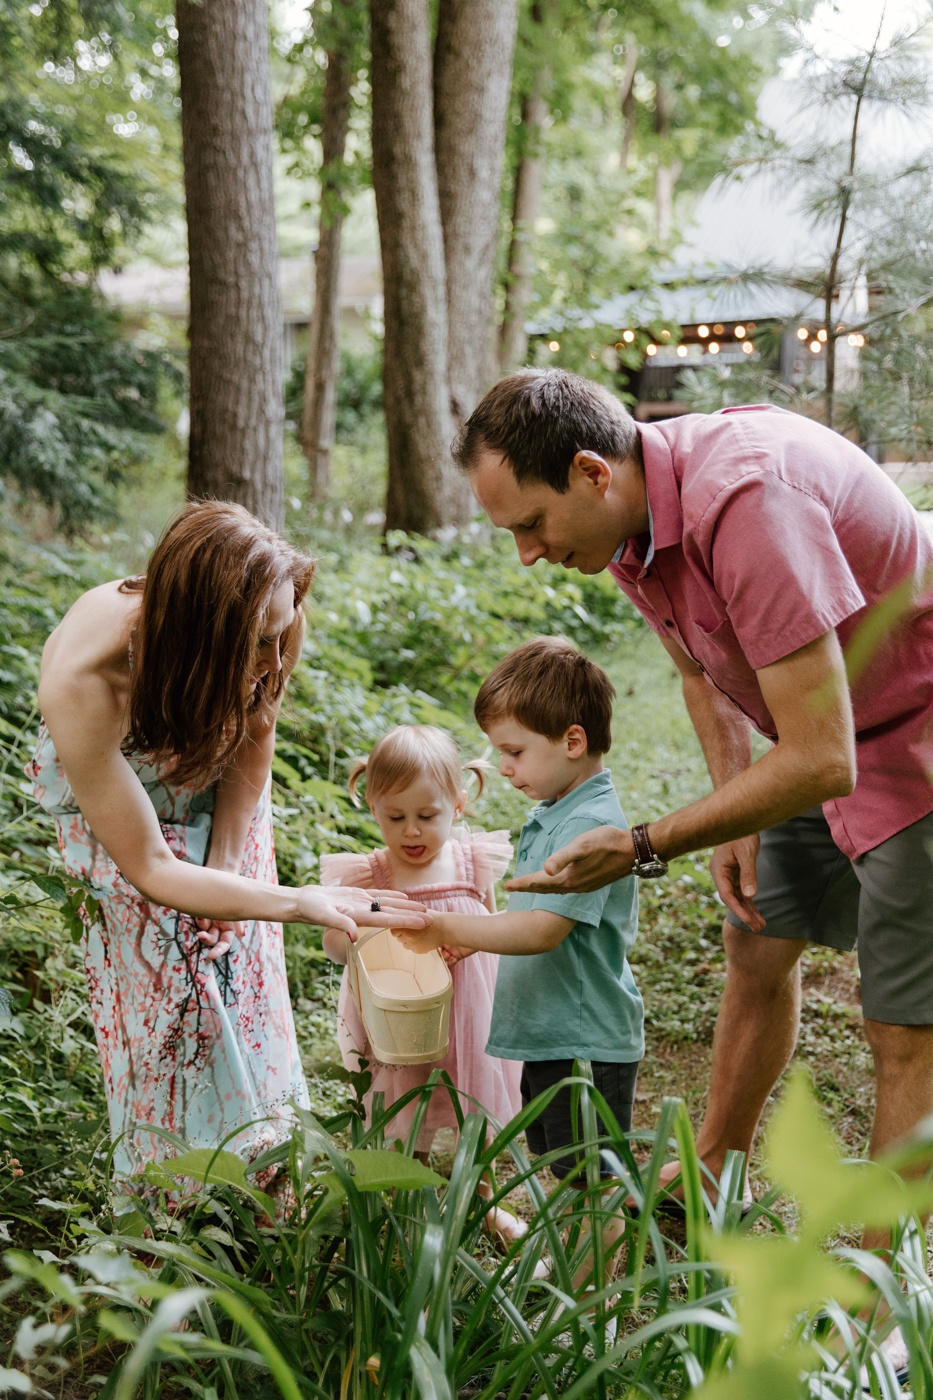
(768, 530)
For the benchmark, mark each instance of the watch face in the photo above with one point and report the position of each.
(650, 869)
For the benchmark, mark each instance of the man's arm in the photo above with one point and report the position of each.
(812, 761)
(725, 737)
(522, 932)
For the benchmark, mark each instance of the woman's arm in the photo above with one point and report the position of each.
(85, 720)
(522, 932)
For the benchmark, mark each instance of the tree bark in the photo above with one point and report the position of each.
(319, 415)
(667, 172)
(627, 99)
(526, 205)
(235, 447)
(472, 77)
(422, 494)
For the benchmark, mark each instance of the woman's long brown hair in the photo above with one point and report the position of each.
(208, 585)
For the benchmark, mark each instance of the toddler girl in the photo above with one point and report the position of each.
(414, 789)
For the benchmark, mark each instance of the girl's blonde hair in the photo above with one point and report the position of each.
(409, 752)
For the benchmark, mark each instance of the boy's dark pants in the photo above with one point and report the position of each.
(554, 1127)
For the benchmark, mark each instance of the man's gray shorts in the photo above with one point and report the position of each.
(881, 903)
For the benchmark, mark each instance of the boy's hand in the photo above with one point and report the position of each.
(452, 955)
(594, 859)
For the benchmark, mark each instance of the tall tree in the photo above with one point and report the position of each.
(417, 398)
(526, 202)
(319, 413)
(235, 331)
(436, 232)
(472, 68)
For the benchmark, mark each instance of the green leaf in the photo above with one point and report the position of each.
(51, 886)
(377, 1169)
(209, 1166)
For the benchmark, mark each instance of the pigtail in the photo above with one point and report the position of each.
(477, 766)
(356, 772)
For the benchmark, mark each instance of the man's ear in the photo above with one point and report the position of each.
(576, 741)
(594, 468)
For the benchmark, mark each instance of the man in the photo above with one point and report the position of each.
(767, 553)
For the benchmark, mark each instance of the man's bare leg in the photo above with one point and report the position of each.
(756, 1031)
(903, 1057)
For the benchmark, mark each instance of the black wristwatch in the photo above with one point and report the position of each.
(647, 865)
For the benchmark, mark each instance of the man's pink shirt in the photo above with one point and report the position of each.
(768, 530)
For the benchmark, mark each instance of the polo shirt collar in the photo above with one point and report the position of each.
(665, 515)
(548, 815)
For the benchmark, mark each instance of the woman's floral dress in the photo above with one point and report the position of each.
(202, 1049)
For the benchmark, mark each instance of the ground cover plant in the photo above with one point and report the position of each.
(378, 1281)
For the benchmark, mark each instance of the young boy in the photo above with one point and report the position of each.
(564, 989)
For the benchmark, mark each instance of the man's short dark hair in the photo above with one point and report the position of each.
(547, 685)
(539, 419)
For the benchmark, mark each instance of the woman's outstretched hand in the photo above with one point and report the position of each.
(343, 907)
(592, 860)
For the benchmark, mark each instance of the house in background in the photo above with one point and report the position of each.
(143, 291)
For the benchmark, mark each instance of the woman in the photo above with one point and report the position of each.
(159, 696)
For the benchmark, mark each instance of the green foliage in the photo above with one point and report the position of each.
(359, 393)
(76, 400)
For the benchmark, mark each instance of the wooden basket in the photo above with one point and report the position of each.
(403, 998)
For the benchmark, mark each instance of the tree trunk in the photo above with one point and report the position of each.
(472, 77)
(236, 402)
(667, 171)
(421, 490)
(319, 413)
(627, 99)
(526, 203)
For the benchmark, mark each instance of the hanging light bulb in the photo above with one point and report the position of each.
(628, 337)
(815, 347)
(651, 349)
(702, 332)
(740, 332)
(713, 347)
(802, 332)
(747, 346)
(681, 350)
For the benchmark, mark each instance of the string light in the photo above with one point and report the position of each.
(718, 329)
(665, 335)
(747, 346)
(740, 332)
(681, 350)
(713, 347)
(802, 332)
(651, 349)
(628, 337)
(553, 345)
(860, 341)
(702, 332)
(815, 347)
(821, 336)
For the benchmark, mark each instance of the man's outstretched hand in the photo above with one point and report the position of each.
(590, 861)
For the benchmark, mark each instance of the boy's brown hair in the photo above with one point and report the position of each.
(547, 685)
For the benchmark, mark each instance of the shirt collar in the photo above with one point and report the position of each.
(548, 815)
(665, 515)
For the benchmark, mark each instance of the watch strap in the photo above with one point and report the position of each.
(647, 863)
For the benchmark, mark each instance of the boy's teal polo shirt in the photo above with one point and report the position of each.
(579, 1001)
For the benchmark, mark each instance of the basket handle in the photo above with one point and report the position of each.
(353, 975)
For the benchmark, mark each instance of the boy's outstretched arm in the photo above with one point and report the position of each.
(521, 932)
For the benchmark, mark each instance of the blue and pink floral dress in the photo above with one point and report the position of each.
(205, 1050)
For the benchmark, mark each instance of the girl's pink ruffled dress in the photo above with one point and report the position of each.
(480, 1078)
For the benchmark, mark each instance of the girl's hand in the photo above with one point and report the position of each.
(335, 906)
(218, 934)
(452, 954)
(419, 940)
